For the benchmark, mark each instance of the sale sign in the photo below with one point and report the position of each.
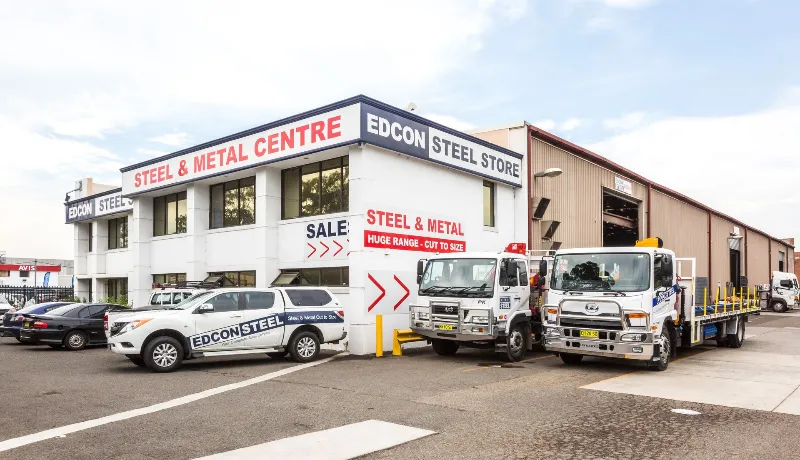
(405, 231)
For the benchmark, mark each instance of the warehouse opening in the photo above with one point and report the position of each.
(620, 220)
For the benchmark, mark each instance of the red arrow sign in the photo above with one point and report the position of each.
(348, 242)
(340, 248)
(380, 297)
(408, 293)
(312, 247)
(326, 249)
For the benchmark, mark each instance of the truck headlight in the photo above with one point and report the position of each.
(634, 337)
(135, 324)
(480, 319)
(636, 319)
(551, 315)
(423, 316)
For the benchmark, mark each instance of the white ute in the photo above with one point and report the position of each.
(275, 321)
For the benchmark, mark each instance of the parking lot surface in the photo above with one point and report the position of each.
(474, 405)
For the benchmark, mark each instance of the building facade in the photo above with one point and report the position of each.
(23, 271)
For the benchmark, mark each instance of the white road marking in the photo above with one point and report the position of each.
(685, 412)
(75, 427)
(341, 443)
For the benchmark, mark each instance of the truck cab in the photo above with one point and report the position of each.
(613, 302)
(478, 300)
(784, 291)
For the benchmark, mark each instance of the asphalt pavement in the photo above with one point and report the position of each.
(477, 406)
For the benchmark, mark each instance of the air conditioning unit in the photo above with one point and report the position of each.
(549, 228)
(540, 207)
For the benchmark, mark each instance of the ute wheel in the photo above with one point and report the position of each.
(163, 354)
(571, 359)
(736, 340)
(444, 347)
(515, 343)
(304, 347)
(665, 353)
(136, 359)
(75, 340)
(55, 346)
(779, 307)
(278, 354)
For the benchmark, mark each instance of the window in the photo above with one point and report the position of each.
(5, 273)
(118, 233)
(331, 276)
(781, 260)
(316, 189)
(488, 204)
(662, 271)
(169, 214)
(523, 273)
(24, 274)
(308, 297)
(258, 300)
(233, 203)
(117, 288)
(511, 278)
(91, 237)
(241, 279)
(93, 311)
(169, 278)
(228, 301)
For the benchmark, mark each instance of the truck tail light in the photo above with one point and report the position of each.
(39, 325)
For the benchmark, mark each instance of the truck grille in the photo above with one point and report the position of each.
(591, 324)
(444, 309)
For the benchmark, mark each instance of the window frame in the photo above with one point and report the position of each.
(238, 189)
(238, 279)
(177, 198)
(118, 224)
(344, 192)
(299, 272)
(492, 198)
(167, 276)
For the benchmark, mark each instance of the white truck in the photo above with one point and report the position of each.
(634, 303)
(782, 292)
(475, 299)
(276, 321)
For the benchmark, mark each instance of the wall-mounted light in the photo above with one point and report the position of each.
(549, 172)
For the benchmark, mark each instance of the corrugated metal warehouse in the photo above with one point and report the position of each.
(596, 202)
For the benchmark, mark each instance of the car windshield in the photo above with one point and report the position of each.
(459, 276)
(613, 272)
(190, 302)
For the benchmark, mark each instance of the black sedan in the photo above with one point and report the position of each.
(72, 326)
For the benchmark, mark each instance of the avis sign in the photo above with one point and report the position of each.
(387, 291)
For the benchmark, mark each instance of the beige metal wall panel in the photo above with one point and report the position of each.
(496, 136)
(576, 197)
(787, 262)
(721, 251)
(683, 228)
(757, 259)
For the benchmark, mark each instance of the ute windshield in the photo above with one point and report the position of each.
(611, 272)
(458, 277)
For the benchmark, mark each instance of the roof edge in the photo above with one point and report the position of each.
(91, 197)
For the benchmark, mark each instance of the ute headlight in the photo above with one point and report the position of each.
(135, 324)
(634, 337)
(480, 319)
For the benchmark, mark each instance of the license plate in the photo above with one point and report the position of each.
(590, 334)
(446, 327)
(27, 325)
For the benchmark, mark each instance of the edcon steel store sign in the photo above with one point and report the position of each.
(357, 122)
(97, 207)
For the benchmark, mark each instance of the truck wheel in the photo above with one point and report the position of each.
(75, 340)
(666, 347)
(163, 354)
(515, 343)
(778, 307)
(304, 347)
(444, 347)
(136, 359)
(570, 359)
(736, 340)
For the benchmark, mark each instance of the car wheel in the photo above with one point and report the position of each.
(570, 359)
(664, 354)
(55, 346)
(163, 354)
(136, 359)
(18, 339)
(515, 344)
(304, 347)
(278, 354)
(779, 307)
(736, 340)
(75, 340)
(444, 347)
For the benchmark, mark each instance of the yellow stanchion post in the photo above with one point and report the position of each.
(725, 299)
(716, 301)
(378, 336)
(705, 301)
(741, 299)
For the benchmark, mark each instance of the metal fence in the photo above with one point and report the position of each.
(19, 295)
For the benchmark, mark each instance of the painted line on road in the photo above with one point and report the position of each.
(75, 427)
(341, 443)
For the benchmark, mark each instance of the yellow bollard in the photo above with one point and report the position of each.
(378, 336)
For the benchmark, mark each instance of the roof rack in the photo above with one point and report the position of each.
(210, 282)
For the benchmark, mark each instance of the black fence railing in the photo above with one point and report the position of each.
(19, 295)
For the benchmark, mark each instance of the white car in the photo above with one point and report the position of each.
(276, 321)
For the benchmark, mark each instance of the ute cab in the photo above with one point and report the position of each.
(475, 299)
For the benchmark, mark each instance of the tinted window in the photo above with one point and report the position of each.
(308, 297)
(258, 300)
(63, 311)
(96, 311)
(228, 301)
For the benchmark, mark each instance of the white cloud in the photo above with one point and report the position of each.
(450, 121)
(151, 152)
(628, 3)
(745, 166)
(625, 122)
(547, 124)
(171, 139)
(570, 124)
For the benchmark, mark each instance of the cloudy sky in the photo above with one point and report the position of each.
(701, 96)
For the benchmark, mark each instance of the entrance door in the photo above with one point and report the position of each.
(736, 268)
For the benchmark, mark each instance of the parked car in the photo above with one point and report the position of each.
(74, 326)
(12, 320)
(4, 305)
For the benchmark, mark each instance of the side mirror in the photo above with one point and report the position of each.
(420, 270)
(510, 266)
(542, 268)
(205, 308)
